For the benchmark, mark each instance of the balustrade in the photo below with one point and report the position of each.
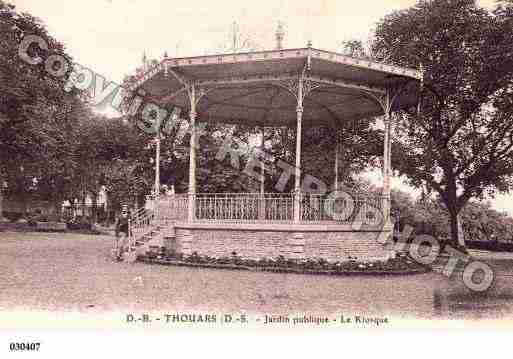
(272, 207)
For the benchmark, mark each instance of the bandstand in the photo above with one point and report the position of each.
(294, 88)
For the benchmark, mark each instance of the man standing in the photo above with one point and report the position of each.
(122, 232)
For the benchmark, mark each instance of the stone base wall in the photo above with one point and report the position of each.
(294, 243)
(336, 246)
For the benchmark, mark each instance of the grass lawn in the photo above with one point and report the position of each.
(50, 271)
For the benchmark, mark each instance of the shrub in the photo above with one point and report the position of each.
(80, 223)
(13, 216)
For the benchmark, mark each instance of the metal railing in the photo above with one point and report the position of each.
(271, 207)
(139, 224)
(348, 208)
(245, 207)
(140, 220)
(173, 207)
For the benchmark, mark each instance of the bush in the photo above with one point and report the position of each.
(54, 217)
(13, 216)
(492, 246)
(402, 263)
(80, 223)
(37, 216)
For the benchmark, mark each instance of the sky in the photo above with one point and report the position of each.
(110, 36)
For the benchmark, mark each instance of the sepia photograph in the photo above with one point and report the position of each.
(272, 165)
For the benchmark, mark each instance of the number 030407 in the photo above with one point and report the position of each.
(14, 347)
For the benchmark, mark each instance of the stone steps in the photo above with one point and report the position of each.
(159, 236)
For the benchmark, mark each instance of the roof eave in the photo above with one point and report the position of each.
(257, 56)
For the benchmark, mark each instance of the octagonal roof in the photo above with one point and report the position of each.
(252, 88)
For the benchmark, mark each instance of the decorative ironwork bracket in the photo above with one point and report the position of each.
(386, 100)
(292, 86)
(200, 92)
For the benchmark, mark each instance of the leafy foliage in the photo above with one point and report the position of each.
(34, 108)
(479, 221)
(461, 144)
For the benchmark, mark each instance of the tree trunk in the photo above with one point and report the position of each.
(94, 209)
(457, 238)
(454, 228)
(450, 199)
(84, 195)
(2, 218)
(23, 201)
(57, 208)
(73, 208)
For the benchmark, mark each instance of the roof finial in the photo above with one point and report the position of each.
(144, 61)
(165, 64)
(309, 43)
(280, 34)
(235, 34)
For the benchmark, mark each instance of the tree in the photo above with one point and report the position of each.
(460, 144)
(33, 104)
(124, 185)
(100, 143)
(353, 48)
(361, 145)
(482, 223)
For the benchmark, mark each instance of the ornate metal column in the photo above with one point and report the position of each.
(387, 168)
(262, 204)
(157, 164)
(299, 118)
(195, 94)
(300, 88)
(192, 154)
(337, 149)
(262, 165)
(386, 100)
